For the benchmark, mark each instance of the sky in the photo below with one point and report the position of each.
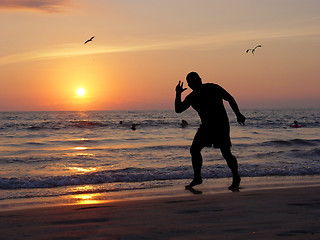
(142, 49)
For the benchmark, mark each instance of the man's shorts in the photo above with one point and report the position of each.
(217, 136)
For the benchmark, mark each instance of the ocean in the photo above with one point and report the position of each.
(93, 155)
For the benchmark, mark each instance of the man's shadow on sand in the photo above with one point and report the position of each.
(194, 191)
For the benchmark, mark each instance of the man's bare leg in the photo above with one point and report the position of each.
(196, 164)
(233, 165)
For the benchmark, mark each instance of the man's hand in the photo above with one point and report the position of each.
(179, 88)
(241, 119)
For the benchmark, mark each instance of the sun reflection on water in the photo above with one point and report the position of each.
(80, 148)
(80, 151)
(83, 169)
(85, 198)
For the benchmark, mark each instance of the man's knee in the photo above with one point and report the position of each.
(195, 150)
(226, 153)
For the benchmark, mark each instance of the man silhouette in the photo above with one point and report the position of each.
(207, 100)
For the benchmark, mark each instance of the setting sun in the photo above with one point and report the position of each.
(81, 91)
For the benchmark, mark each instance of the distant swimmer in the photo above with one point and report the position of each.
(295, 125)
(133, 126)
(89, 40)
(253, 49)
(184, 123)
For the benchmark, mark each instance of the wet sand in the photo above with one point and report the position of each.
(288, 213)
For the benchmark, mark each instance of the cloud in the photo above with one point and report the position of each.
(35, 5)
(205, 41)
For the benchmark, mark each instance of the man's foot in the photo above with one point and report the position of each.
(235, 184)
(194, 182)
(193, 190)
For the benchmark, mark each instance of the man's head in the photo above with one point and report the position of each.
(194, 80)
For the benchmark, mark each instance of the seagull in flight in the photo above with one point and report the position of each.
(253, 49)
(89, 40)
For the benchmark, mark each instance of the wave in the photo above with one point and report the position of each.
(141, 124)
(138, 175)
(73, 191)
(292, 142)
(258, 119)
(86, 124)
(68, 124)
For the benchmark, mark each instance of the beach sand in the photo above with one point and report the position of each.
(287, 213)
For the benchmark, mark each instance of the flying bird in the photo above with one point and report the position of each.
(253, 49)
(89, 40)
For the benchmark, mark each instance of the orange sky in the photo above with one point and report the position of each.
(143, 48)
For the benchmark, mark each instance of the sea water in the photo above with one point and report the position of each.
(63, 154)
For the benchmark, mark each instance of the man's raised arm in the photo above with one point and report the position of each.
(178, 104)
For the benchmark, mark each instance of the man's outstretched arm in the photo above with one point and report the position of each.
(178, 104)
(233, 104)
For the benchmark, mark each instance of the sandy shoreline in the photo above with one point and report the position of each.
(288, 213)
(168, 189)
